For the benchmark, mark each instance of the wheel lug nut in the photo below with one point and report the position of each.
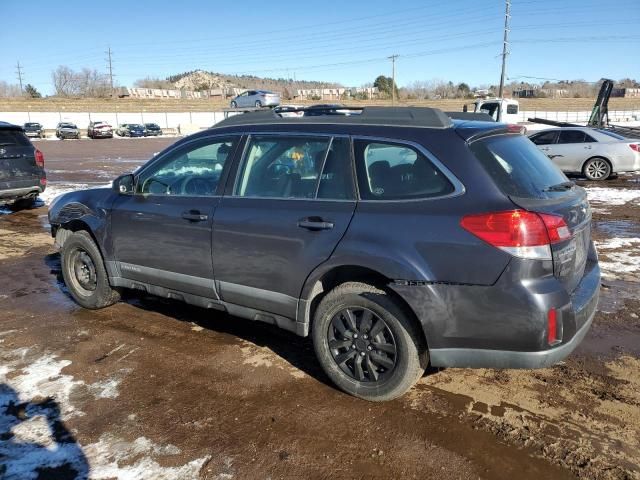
(355, 335)
(369, 347)
(362, 354)
(353, 345)
(365, 336)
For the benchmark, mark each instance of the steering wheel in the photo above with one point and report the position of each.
(197, 186)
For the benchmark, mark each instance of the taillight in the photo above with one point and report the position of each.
(39, 158)
(513, 128)
(519, 232)
(635, 147)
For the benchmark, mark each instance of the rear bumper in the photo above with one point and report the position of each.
(504, 325)
(102, 134)
(10, 194)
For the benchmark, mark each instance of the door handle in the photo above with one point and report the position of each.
(315, 223)
(194, 216)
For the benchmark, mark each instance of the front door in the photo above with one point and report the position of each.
(291, 203)
(162, 233)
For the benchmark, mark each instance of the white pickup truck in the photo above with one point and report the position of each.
(501, 109)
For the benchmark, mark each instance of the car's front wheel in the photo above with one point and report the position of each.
(366, 343)
(84, 273)
(597, 169)
(234, 105)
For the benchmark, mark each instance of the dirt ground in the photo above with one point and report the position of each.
(153, 389)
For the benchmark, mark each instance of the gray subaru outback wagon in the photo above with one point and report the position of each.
(395, 237)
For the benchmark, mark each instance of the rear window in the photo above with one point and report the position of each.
(13, 138)
(517, 166)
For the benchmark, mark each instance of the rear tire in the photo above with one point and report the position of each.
(84, 273)
(366, 343)
(596, 169)
(23, 203)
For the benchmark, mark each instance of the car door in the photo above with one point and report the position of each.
(161, 234)
(243, 99)
(546, 141)
(571, 151)
(291, 203)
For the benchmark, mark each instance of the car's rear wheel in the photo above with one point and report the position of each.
(597, 169)
(24, 203)
(84, 273)
(234, 105)
(366, 343)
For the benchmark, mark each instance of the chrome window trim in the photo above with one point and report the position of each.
(458, 187)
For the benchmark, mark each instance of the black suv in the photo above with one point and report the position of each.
(32, 129)
(22, 175)
(395, 237)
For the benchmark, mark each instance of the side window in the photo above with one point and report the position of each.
(512, 109)
(544, 138)
(282, 167)
(336, 181)
(388, 171)
(571, 136)
(589, 139)
(193, 170)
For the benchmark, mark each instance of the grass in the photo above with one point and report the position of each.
(207, 105)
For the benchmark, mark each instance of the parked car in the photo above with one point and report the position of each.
(67, 130)
(32, 129)
(152, 130)
(596, 154)
(256, 98)
(99, 130)
(131, 130)
(22, 174)
(121, 129)
(395, 238)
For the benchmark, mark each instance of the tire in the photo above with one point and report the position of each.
(23, 203)
(258, 104)
(384, 374)
(596, 169)
(84, 273)
(234, 105)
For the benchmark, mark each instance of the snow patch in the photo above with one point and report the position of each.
(619, 257)
(612, 196)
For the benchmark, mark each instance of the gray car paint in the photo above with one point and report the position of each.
(466, 294)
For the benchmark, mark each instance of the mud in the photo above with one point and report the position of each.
(157, 389)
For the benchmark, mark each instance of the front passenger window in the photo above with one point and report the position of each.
(189, 171)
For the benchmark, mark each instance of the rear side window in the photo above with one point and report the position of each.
(512, 109)
(390, 171)
(544, 138)
(13, 138)
(517, 166)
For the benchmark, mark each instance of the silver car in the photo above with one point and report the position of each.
(256, 98)
(597, 154)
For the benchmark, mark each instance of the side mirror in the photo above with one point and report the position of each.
(124, 184)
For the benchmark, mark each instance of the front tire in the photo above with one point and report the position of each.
(366, 343)
(234, 105)
(84, 273)
(597, 169)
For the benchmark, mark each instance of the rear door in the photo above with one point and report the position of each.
(533, 183)
(290, 205)
(571, 150)
(18, 167)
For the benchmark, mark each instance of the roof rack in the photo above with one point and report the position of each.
(382, 116)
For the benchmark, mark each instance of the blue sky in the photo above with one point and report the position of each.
(341, 41)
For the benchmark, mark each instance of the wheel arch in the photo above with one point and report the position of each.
(318, 286)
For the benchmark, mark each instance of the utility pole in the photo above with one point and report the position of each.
(393, 78)
(19, 72)
(505, 45)
(110, 65)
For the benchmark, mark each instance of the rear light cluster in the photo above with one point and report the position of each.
(635, 147)
(39, 158)
(514, 128)
(519, 232)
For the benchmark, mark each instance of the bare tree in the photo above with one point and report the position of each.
(86, 83)
(9, 90)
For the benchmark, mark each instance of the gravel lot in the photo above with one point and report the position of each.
(153, 389)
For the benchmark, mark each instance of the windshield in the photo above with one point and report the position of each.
(517, 166)
(67, 125)
(135, 126)
(31, 124)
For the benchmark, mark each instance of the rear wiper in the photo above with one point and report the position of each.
(560, 187)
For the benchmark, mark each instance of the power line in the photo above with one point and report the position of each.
(505, 45)
(19, 73)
